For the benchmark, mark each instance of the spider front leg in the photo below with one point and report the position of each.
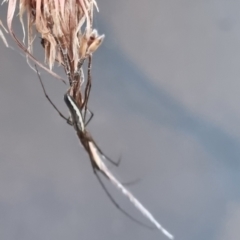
(68, 120)
(79, 73)
(87, 89)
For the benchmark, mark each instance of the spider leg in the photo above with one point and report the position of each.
(90, 118)
(133, 182)
(80, 75)
(116, 164)
(87, 88)
(115, 203)
(49, 99)
(66, 61)
(106, 157)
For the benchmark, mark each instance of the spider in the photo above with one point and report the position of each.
(78, 110)
(99, 166)
(79, 123)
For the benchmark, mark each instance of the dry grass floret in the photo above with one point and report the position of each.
(65, 28)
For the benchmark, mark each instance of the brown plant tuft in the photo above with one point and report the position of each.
(65, 27)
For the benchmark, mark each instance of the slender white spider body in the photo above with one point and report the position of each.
(98, 164)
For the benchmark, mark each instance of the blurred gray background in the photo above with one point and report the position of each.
(166, 94)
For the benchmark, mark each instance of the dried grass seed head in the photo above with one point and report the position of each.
(59, 23)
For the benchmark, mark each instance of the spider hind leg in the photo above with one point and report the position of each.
(115, 203)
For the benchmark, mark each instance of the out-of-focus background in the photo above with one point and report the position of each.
(166, 94)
